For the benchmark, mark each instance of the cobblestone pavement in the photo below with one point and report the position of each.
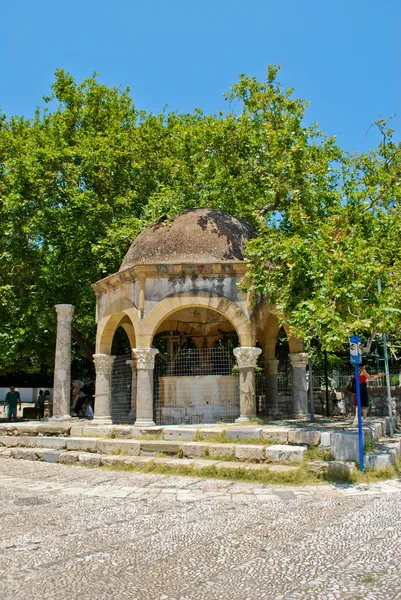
(77, 533)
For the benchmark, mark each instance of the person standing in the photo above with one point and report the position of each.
(79, 396)
(13, 399)
(364, 377)
(40, 405)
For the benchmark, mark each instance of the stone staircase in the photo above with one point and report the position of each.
(228, 446)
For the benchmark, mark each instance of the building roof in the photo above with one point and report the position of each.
(196, 236)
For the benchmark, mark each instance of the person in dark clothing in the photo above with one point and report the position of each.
(40, 405)
(13, 399)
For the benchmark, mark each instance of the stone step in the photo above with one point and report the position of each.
(99, 459)
(192, 450)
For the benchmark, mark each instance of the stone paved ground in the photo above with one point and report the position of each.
(76, 533)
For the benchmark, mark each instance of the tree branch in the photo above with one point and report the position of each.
(85, 345)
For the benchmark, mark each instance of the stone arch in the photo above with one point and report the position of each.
(267, 327)
(229, 309)
(121, 312)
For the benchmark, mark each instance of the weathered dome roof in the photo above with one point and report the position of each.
(196, 236)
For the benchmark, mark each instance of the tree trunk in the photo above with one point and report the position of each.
(85, 345)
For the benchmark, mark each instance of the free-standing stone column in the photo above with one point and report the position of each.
(271, 372)
(62, 366)
(132, 412)
(299, 361)
(145, 364)
(103, 365)
(247, 357)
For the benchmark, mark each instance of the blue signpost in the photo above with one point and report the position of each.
(355, 356)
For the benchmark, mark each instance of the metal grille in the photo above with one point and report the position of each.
(121, 386)
(196, 386)
(284, 393)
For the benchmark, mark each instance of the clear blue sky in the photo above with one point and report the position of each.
(343, 56)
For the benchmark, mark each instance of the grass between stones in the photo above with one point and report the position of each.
(306, 474)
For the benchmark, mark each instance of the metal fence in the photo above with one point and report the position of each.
(196, 386)
(121, 386)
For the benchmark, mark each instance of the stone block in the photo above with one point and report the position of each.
(55, 428)
(77, 431)
(10, 441)
(30, 429)
(68, 458)
(275, 434)
(123, 431)
(51, 456)
(83, 444)
(245, 452)
(109, 461)
(131, 447)
(345, 467)
(310, 437)
(56, 443)
(24, 453)
(379, 459)
(221, 450)
(209, 433)
(105, 431)
(344, 445)
(194, 449)
(243, 433)
(205, 464)
(281, 452)
(92, 460)
(179, 433)
(159, 446)
(5, 453)
(174, 462)
(325, 438)
(227, 464)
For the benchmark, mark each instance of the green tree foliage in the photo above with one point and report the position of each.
(82, 178)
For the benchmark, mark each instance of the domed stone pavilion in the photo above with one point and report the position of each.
(196, 338)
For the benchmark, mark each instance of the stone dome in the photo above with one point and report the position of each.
(196, 236)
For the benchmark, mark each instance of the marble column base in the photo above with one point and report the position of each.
(245, 418)
(144, 423)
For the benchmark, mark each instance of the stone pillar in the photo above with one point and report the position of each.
(62, 366)
(145, 364)
(247, 357)
(299, 361)
(271, 373)
(132, 412)
(103, 365)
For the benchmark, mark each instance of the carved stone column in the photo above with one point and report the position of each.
(299, 361)
(103, 365)
(271, 373)
(62, 365)
(247, 357)
(145, 364)
(132, 412)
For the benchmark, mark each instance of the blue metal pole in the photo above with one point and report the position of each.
(358, 403)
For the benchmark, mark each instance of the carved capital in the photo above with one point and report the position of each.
(247, 356)
(103, 363)
(271, 366)
(299, 360)
(64, 312)
(145, 357)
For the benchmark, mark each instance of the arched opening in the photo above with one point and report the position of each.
(121, 377)
(195, 376)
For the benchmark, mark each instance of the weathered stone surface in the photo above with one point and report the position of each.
(5, 453)
(77, 430)
(24, 453)
(174, 462)
(309, 437)
(282, 468)
(179, 433)
(99, 431)
(251, 452)
(55, 443)
(281, 452)
(379, 459)
(194, 449)
(89, 459)
(335, 465)
(205, 464)
(55, 428)
(109, 461)
(344, 445)
(131, 447)
(160, 446)
(276, 434)
(68, 458)
(9, 441)
(325, 438)
(51, 456)
(228, 464)
(85, 444)
(221, 450)
(243, 433)
(208, 433)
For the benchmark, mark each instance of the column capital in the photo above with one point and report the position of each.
(131, 363)
(103, 363)
(145, 357)
(299, 360)
(246, 356)
(64, 311)
(271, 366)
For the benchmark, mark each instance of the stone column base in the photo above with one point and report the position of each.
(144, 423)
(60, 418)
(245, 418)
(101, 421)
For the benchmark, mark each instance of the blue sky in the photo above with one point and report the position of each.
(343, 56)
